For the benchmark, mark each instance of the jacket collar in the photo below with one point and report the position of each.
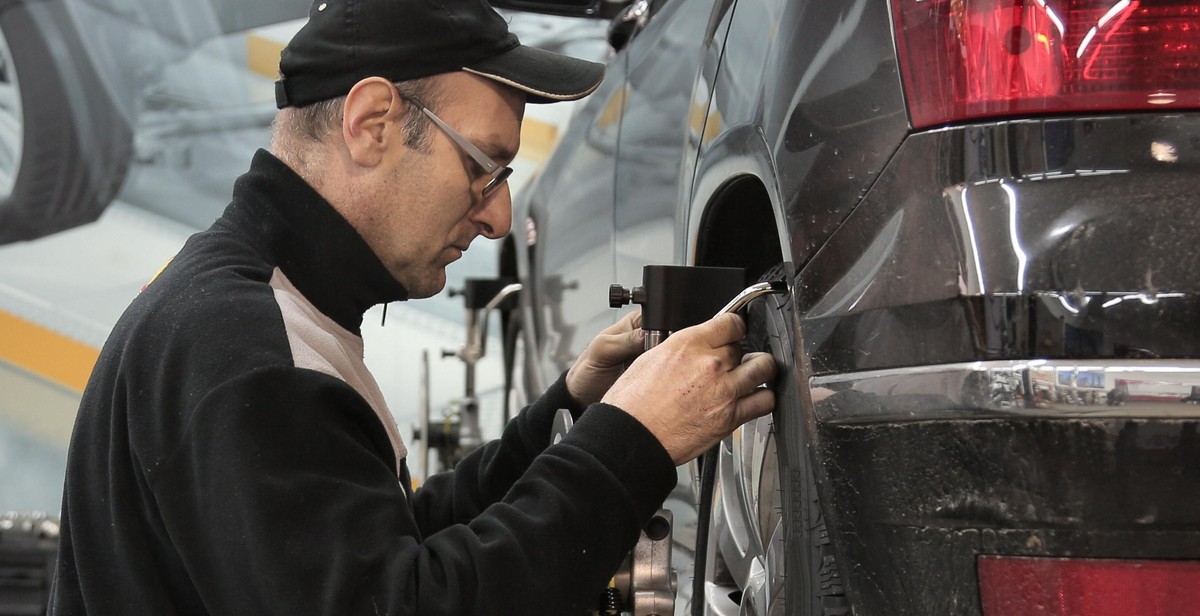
(319, 251)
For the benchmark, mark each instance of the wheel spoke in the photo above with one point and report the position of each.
(735, 541)
(747, 527)
(719, 600)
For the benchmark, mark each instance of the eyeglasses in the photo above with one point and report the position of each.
(497, 172)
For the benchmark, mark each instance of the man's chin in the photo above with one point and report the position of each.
(427, 287)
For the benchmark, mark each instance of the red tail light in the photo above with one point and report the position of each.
(1010, 586)
(963, 59)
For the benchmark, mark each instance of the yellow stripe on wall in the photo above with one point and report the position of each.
(537, 140)
(262, 55)
(46, 353)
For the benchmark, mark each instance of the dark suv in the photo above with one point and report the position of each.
(986, 211)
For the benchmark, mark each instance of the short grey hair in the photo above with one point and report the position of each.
(296, 129)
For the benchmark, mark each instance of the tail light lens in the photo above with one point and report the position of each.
(1011, 586)
(964, 59)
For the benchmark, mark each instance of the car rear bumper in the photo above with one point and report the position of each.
(1004, 340)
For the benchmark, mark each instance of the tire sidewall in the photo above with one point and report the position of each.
(812, 582)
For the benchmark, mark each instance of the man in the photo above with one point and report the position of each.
(232, 454)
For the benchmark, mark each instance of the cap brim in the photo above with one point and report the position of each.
(547, 77)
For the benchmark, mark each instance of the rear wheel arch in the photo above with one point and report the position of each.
(738, 228)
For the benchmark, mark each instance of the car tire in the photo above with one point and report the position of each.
(812, 585)
(75, 145)
(818, 588)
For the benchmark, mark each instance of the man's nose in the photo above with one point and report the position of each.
(495, 213)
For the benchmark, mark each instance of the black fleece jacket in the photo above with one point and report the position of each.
(232, 455)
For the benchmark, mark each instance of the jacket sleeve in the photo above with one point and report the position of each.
(282, 499)
(484, 476)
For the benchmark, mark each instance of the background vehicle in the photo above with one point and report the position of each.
(986, 211)
(79, 76)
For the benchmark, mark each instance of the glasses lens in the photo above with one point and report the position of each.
(497, 180)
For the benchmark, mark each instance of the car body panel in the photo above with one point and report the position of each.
(829, 113)
(663, 61)
(573, 200)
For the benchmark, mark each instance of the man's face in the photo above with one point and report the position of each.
(430, 207)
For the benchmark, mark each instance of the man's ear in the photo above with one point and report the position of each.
(368, 120)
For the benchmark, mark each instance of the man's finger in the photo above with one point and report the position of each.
(722, 330)
(630, 322)
(755, 369)
(620, 342)
(730, 355)
(757, 404)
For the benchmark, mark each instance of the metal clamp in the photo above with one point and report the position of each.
(752, 293)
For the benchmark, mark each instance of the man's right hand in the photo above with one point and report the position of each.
(696, 388)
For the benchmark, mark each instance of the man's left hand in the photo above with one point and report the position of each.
(605, 358)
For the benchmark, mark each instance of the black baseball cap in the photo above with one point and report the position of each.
(346, 41)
